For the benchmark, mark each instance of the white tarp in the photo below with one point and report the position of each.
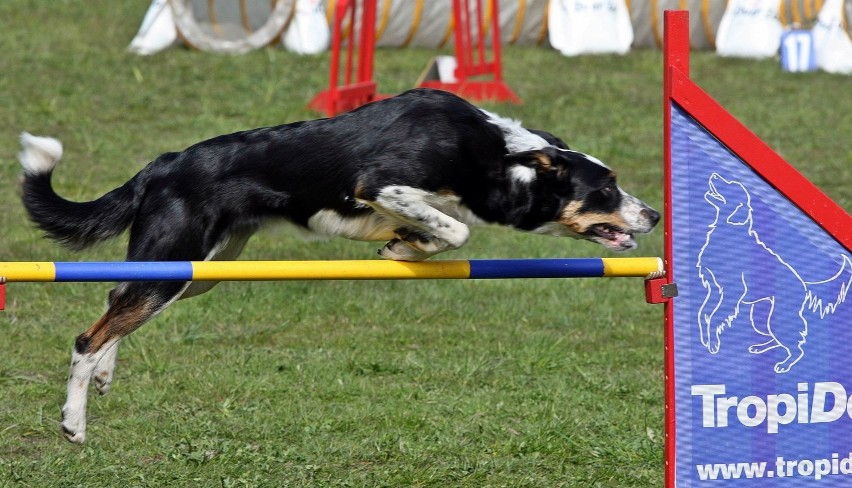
(590, 26)
(749, 29)
(832, 42)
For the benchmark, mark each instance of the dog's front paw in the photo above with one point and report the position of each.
(399, 250)
(73, 426)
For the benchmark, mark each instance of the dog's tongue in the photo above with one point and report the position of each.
(615, 239)
(621, 241)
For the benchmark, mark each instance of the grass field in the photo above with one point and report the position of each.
(509, 383)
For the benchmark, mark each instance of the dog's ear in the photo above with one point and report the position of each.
(550, 138)
(740, 215)
(543, 161)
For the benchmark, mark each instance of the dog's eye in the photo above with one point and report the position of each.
(608, 190)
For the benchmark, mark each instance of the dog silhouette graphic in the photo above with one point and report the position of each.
(739, 272)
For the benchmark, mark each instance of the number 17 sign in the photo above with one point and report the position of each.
(797, 51)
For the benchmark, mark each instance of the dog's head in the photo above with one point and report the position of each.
(577, 196)
(730, 198)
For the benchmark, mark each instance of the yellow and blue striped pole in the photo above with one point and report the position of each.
(329, 270)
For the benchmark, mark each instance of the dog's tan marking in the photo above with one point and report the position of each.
(544, 161)
(360, 192)
(115, 323)
(580, 222)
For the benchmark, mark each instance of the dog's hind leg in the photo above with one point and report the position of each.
(761, 313)
(131, 306)
(105, 369)
(790, 329)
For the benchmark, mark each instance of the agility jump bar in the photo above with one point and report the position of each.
(329, 270)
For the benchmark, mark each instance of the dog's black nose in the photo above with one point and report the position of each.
(652, 215)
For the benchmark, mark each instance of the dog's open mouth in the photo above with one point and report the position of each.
(612, 237)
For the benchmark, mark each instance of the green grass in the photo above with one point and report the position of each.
(504, 383)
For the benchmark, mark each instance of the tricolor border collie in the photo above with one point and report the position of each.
(413, 170)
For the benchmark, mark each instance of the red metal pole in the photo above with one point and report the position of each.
(462, 33)
(350, 49)
(339, 13)
(480, 35)
(676, 57)
(495, 41)
(362, 89)
(368, 41)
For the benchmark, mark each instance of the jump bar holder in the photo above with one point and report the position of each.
(659, 290)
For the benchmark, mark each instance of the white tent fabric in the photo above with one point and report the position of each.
(157, 32)
(832, 39)
(590, 27)
(428, 23)
(308, 33)
(749, 29)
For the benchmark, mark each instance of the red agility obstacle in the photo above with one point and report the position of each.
(355, 92)
(472, 57)
(478, 74)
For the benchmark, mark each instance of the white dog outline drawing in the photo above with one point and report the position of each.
(732, 232)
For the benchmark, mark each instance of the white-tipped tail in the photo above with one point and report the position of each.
(39, 154)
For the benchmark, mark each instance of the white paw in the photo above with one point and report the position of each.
(73, 425)
(455, 234)
(399, 250)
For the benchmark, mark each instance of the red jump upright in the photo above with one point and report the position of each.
(362, 89)
(472, 59)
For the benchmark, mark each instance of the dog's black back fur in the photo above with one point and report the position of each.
(242, 178)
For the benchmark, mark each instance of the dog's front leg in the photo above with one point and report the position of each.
(412, 245)
(428, 232)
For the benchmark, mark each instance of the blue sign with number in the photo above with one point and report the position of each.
(797, 51)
